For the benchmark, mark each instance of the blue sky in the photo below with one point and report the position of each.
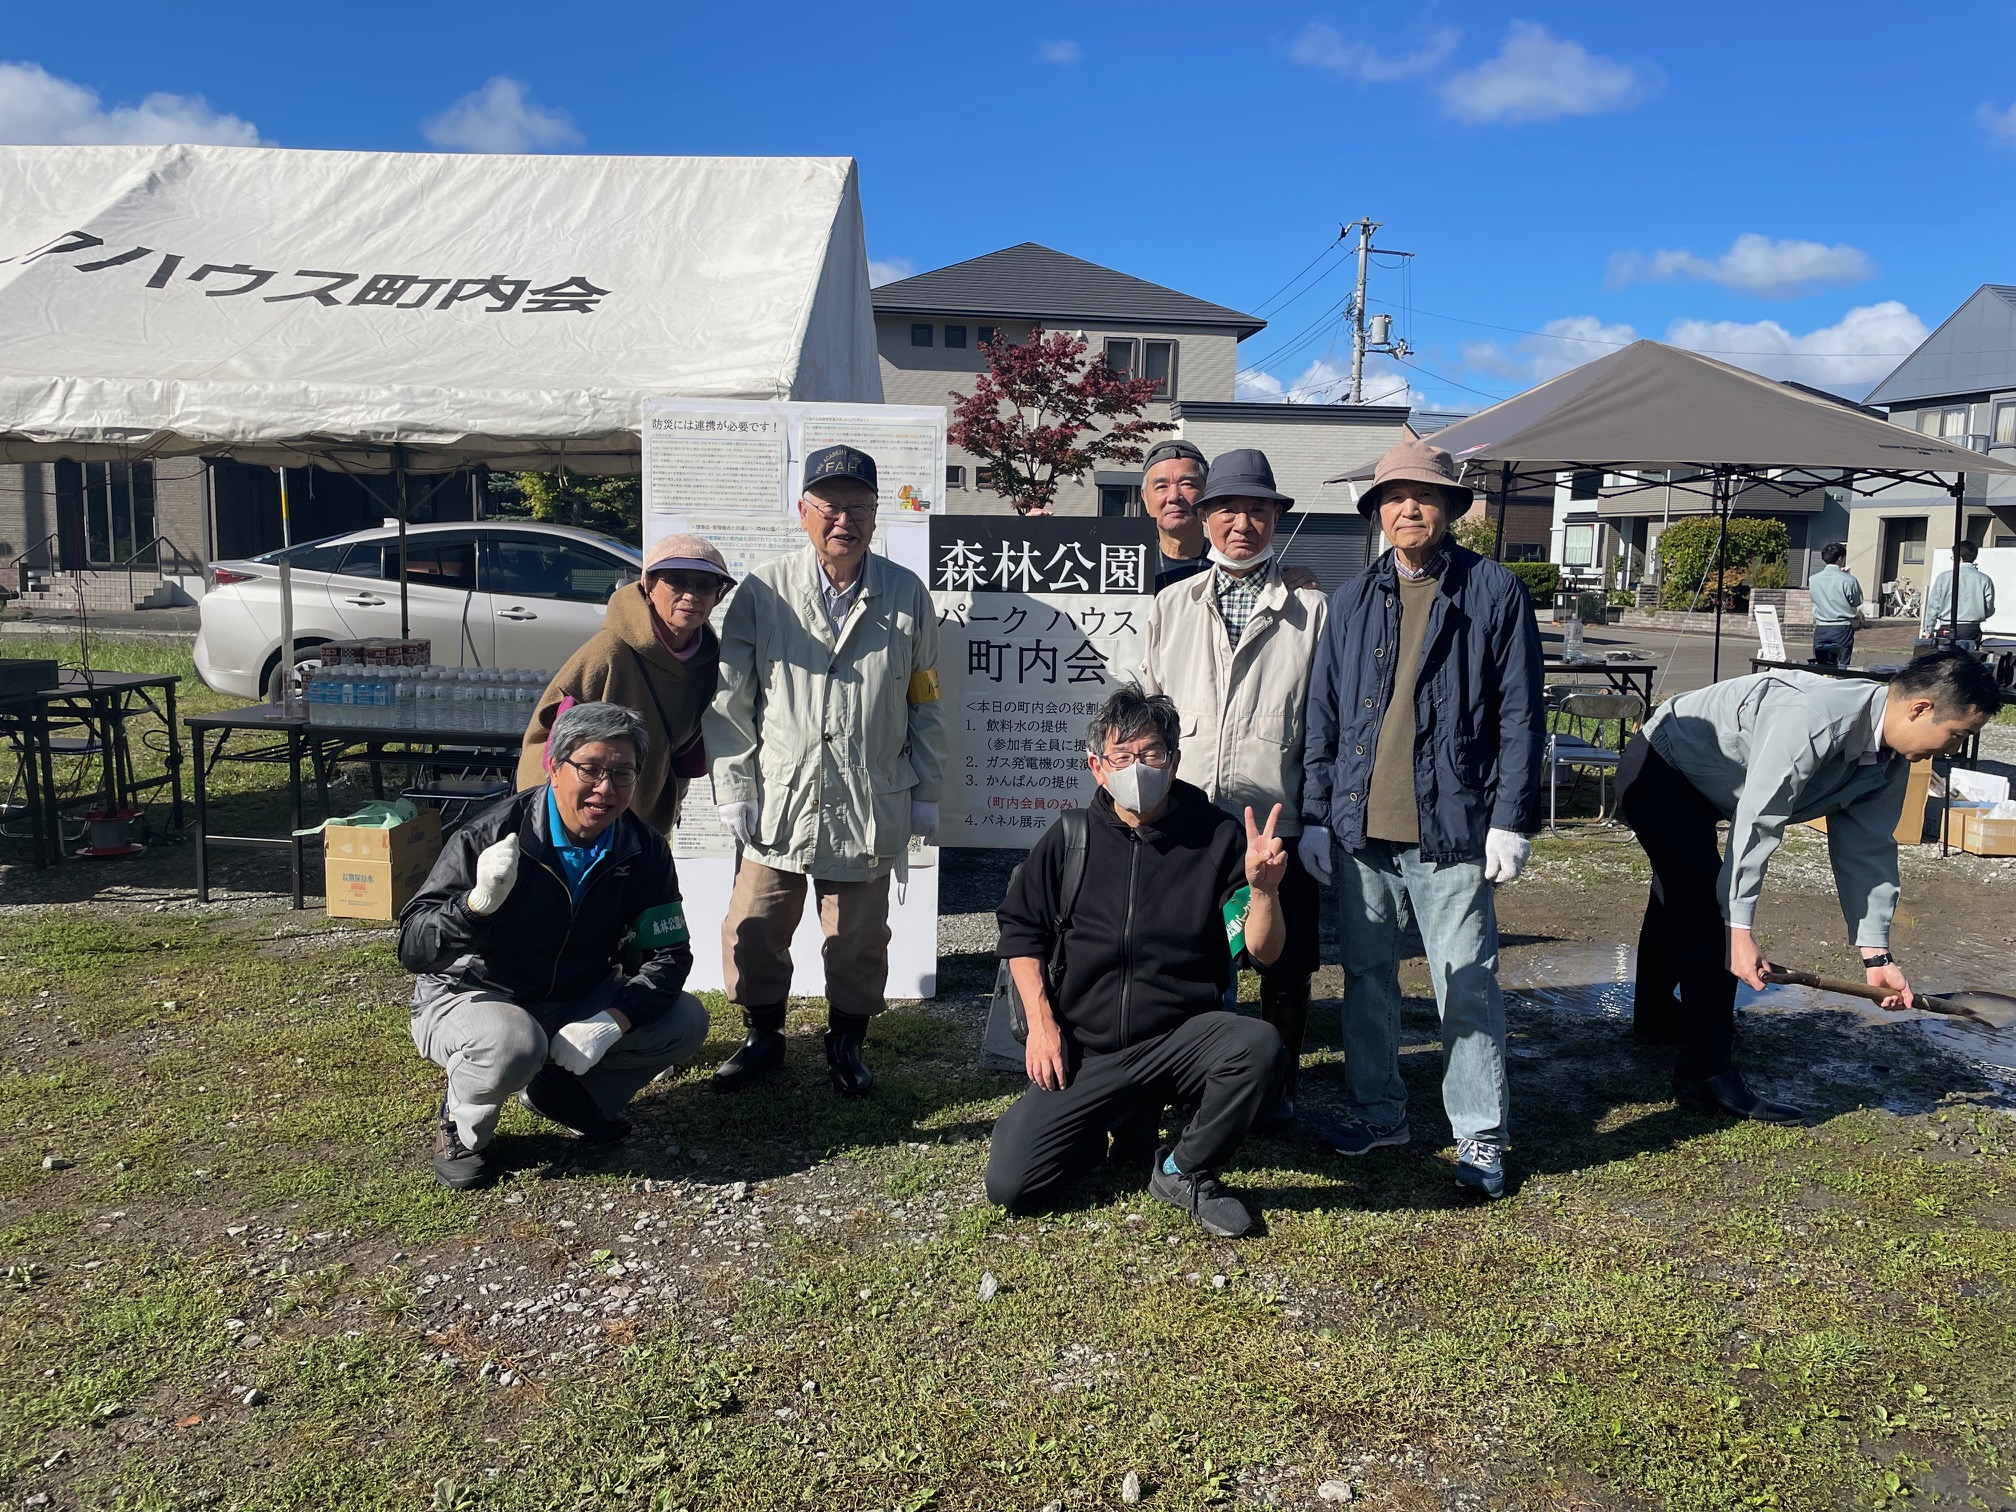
(1803, 189)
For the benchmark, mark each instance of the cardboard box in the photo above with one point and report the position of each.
(373, 873)
(1983, 836)
(1911, 823)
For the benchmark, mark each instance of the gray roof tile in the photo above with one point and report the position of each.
(1036, 283)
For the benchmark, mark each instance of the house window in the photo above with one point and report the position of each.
(987, 334)
(955, 477)
(2005, 423)
(1524, 551)
(983, 477)
(1953, 424)
(955, 336)
(1913, 554)
(1578, 545)
(920, 335)
(1120, 356)
(1585, 485)
(118, 512)
(1118, 501)
(1158, 361)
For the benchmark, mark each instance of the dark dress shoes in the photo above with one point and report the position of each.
(1727, 1092)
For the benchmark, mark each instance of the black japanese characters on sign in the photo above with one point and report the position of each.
(493, 295)
(979, 554)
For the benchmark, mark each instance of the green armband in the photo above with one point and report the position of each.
(660, 928)
(1235, 919)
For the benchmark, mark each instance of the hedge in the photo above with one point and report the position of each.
(1540, 578)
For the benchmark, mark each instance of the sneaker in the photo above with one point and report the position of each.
(1216, 1210)
(456, 1166)
(1480, 1167)
(1354, 1136)
(560, 1097)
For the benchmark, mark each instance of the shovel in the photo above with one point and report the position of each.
(1991, 1010)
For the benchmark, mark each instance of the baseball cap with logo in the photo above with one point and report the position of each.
(832, 464)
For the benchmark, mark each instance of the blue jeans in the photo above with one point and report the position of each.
(1453, 906)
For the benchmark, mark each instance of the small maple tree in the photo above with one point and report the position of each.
(1042, 414)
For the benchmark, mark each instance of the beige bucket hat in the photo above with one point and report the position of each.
(1415, 461)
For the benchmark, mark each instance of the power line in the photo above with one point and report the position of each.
(1261, 308)
(1494, 398)
(1599, 341)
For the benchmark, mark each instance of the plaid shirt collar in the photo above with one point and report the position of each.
(1237, 598)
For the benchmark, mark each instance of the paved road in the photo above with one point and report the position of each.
(1686, 658)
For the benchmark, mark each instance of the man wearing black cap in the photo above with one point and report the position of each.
(1233, 647)
(1173, 476)
(827, 744)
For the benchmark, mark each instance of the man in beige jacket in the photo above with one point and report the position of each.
(826, 744)
(1233, 646)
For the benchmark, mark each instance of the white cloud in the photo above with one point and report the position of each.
(882, 270)
(1328, 381)
(1537, 76)
(1258, 388)
(37, 108)
(2001, 123)
(1063, 54)
(1854, 352)
(1561, 345)
(500, 117)
(1753, 265)
(1324, 47)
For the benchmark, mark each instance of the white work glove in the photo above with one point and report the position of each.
(578, 1046)
(1314, 849)
(1505, 853)
(924, 821)
(496, 870)
(739, 819)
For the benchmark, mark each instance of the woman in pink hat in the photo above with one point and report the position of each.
(656, 655)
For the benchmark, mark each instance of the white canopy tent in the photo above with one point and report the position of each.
(386, 312)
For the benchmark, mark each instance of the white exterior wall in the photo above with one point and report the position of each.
(1303, 452)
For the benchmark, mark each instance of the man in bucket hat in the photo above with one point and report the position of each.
(1233, 646)
(1423, 759)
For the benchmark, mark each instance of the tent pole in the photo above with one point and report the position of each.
(1959, 492)
(1504, 488)
(286, 689)
(1722, 492)
(399, 474)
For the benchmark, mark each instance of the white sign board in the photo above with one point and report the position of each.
(731, 472)
(1770, 634)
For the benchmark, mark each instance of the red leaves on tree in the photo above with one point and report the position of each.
(1041, 415)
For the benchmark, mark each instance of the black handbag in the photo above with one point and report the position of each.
(1007, 1001)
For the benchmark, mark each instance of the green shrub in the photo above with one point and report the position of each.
(1540, 578)
(1687, 554)
(1623, 598)
(1773, 573)
(1479, 532)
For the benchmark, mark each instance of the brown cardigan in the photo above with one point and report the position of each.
(624, 664)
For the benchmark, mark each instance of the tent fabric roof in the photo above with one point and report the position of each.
(1972, 352)
(1650, 405)
(1035, 281)
(283, 306)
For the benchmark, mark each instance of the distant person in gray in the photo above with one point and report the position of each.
(1837, 602)
(1764, 752)
(1976, 593)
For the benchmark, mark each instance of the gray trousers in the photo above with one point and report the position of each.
(491, 1046)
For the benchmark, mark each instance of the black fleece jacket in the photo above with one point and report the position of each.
(540, 945)
(1146, 946)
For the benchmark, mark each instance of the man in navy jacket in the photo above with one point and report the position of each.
(1426, 727)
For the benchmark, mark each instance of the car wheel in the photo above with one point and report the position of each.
(307, 659)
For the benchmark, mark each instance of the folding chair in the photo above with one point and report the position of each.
(1573, 749)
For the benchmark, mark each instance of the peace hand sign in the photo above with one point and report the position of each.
(1266, 855)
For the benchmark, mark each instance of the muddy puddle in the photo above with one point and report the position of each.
(1594, 981)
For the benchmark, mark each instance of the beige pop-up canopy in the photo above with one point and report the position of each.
(381, 311)
(1705, 427)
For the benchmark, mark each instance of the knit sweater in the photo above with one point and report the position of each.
(625, 664)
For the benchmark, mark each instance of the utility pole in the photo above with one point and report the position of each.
(1378, 338)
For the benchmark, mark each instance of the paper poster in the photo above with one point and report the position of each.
(728, 460)
(1770, 634)
(1037, 620)
(745, 541)
(908, 448)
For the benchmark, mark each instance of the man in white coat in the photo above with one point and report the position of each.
(1233, 646)
(826, 743)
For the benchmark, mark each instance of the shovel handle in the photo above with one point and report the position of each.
(1923, 1001)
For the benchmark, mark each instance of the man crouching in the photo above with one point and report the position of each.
(520, 939)
(1132, 1014)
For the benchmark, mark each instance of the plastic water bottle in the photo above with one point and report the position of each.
(469, 700)
(496, 702)
(1571, 634)
(313, 687)
(402, 697)
(525, 697)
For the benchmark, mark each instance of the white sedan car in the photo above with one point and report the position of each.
(487, 593)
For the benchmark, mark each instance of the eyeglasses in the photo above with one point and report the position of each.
(620, 778)
(837, 511)
(697, 585)
(1119, 761)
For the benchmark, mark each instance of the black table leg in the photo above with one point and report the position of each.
(294, 744)
(174, 761)
(203, 813)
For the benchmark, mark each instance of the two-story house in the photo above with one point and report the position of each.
(1959, 385)
(930, 328)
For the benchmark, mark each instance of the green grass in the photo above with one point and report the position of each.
(1672, 1312)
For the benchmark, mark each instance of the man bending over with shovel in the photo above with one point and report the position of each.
(1762, 752)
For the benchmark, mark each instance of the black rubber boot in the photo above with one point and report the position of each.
(760, 1054)
(1728, 1093)
(1285, 1005)
(845, 1034)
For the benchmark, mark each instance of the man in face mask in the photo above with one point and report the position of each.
(1124, 997)
(1233, 646)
